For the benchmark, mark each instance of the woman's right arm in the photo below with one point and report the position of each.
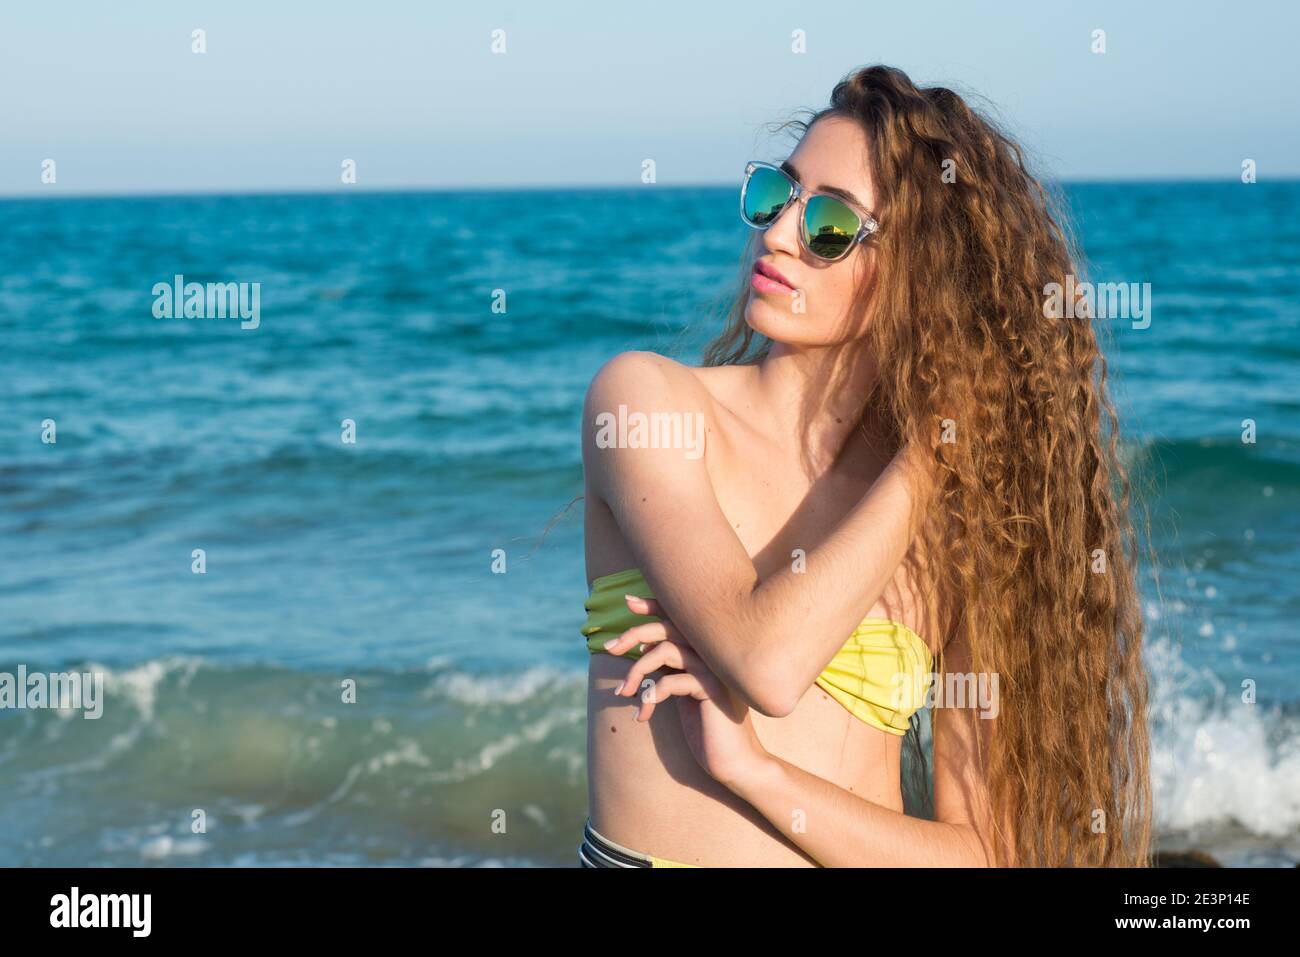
(767, 639)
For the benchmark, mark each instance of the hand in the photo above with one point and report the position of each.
(715, 722)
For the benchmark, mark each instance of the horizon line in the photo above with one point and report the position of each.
(45, 193)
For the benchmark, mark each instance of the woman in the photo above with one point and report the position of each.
(903, 477)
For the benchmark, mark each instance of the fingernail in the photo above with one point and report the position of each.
(622, 685)
(637, 713)
(609, 644)
(631, 598)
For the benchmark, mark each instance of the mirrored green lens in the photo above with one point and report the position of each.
(765, 194)
(830, 226)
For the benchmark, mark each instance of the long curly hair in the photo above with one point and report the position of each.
(1026, 509)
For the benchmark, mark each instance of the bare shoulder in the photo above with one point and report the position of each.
(643, 378)
(645, 422)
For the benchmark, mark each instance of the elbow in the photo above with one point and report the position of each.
(772, 707)
(779, 707)
(769, 695)
(760, 678)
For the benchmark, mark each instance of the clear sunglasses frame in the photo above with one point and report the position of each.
(800, 197)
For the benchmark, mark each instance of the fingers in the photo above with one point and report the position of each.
(693, 663)
(663, 655)
(693, 677)
(678, 683)
(647, 634)
(644, 606)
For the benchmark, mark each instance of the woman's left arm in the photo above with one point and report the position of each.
(834, 826)
(838, 828)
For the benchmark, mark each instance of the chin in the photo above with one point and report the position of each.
(779, 324)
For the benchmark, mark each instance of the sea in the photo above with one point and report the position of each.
(328, 563)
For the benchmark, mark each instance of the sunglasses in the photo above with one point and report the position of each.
(829, 227)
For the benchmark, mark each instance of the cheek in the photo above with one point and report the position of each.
(837, 295)
(849, 281)
(835, 291)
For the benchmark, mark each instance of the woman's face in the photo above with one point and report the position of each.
(811, 308)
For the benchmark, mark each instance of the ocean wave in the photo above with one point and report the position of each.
(1216, 759)
(1183, 460)
(274, 751)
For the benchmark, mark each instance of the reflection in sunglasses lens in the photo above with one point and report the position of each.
(830, 226)
(765, 194)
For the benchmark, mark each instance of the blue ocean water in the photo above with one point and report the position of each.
(329, 562)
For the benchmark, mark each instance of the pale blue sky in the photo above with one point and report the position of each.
(588, 90)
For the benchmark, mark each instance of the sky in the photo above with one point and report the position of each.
(584, 92)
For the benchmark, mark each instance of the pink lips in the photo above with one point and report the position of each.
(767, 279)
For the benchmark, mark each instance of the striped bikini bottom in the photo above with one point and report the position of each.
(596, 850)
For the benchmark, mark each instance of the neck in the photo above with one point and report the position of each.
(814, 397)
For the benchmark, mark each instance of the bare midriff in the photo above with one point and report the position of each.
(648, 792)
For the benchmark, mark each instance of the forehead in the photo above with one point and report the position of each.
(833, 153)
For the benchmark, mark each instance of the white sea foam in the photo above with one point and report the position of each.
(165, 846)
(503, 689)
(139, 684)
(1215, 759)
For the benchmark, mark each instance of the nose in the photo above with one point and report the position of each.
(783, 234)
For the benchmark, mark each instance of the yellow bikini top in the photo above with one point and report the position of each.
(881, 674)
